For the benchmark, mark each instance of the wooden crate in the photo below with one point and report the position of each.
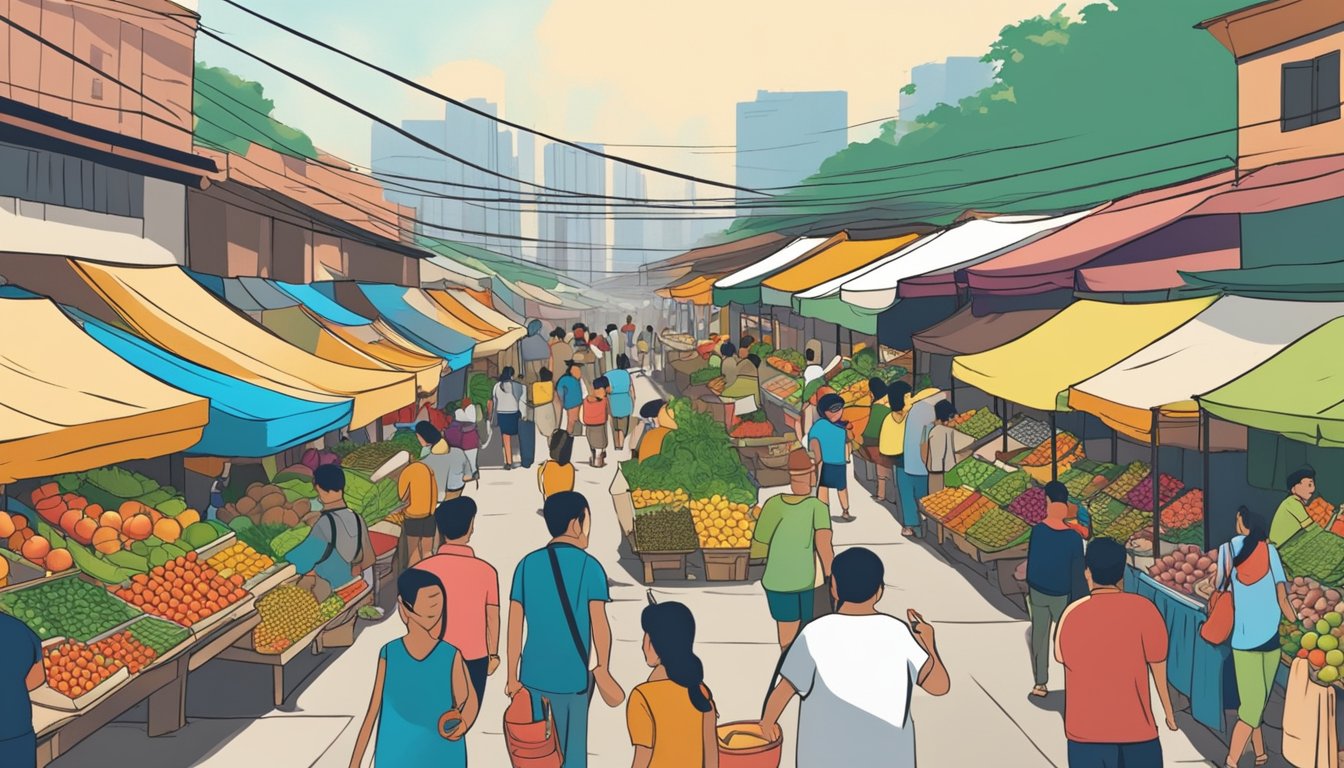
(661, 561)
(726, 564)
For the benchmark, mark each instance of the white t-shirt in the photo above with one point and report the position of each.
(856, 675)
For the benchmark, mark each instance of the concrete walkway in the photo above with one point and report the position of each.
(987, 719)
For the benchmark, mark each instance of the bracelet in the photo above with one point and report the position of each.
(493, 656)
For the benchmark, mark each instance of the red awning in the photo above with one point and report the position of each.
(1155, 274)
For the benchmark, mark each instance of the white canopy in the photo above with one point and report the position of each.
(25, 234)
(780, 259)
(960, 246)
(440, 271)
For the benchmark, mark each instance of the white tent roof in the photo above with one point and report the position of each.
(967, 243)
(25, 234)
(438, 270)
(773, 263)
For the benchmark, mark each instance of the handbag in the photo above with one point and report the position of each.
(531, 743)
(1217, 628)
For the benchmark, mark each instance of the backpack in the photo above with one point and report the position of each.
(594, 411)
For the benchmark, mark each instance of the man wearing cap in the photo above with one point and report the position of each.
(793, 534)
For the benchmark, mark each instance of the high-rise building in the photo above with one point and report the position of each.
(942, 82)
(631, 228)
(490, 221)
(783, 137)
(574, 237)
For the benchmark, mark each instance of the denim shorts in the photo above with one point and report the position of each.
(834, 476)
(1140, 754)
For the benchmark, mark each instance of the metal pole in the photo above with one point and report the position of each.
(1004, 418)
(1054, 448)
(1157, 487)
(1208, 486)
(1115, 447)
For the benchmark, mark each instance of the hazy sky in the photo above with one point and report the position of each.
(612, 71)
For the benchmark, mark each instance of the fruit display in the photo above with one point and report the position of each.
(857, 393)
(1030, 505)
(788, 361)
(330, 607)
(973, 472)
(939, 505)
(110, 487)
(1311, 600)
(1140, 496)
(1028, 431)
(1315, 553)
(996, 529)
(241, 559)
(978, 424)
(1321, 511)
(352, 590)
(1134, 474)
(1104, 510)
(1079, 482)
(1181, 569)
(665, 529)
(697, 456)
(721, 524)
(258, 537)
(754, 424)
(706, 375)
(968, 513)
(1318, 642)
(267, 504)
(126, 649)
(15, 530)
(1184, 512)
(782, 386)
(73, 668)
(370, 457)
(1012, 485)
(1066, 447)
(159, 634)
(183, 590)
(288, 613)
(68, 607)
(643, 498)
(682, 339)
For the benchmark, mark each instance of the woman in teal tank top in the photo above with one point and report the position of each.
(420, 720)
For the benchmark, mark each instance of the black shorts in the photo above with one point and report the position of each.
(419, 526)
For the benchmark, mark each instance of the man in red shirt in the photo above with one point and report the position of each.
(471, 591)
(1109, 643)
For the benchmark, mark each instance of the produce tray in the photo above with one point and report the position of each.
(1103, 468)
(270, 579)
(82, 577)
(182, 647)
(969, 549)
(990, 550)
(47, 696)
(726, 564)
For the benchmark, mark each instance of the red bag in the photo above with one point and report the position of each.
(594, 412)
(531, 743)
(1217, 628)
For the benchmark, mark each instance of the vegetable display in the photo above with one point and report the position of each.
(1134, 474)
(1311, 601)
(755, 424)
(68, 607)
(1065, 446)
(1029, 431)
(706, 374)
(696, 457)
(968, 513)
(267, 504)
(371, 501)
(160, 634)
(1321, 511)
(1315, 553)
(939, 505)
(789, 361)
(1319, 643)
(665, 529)
(124, 648)
(241, 559)
(1079, 482)
(973, 472)
(1184, 512)
(978, 424)
(1141, 496)
(1012, 485)
(352, 590)
(996, 529)
(289, 539)
(368, 458)
(330, 607)
(1030, 505)
(782, 387)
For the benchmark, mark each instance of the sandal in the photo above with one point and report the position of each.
(1262, 759)
(844, 515)
(1040, 691)
(907, 531)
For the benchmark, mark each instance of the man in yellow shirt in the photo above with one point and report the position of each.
(1291, 516)
(417, 487)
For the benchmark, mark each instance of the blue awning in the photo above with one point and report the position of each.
(321, 304)
(246, 420)
(391, 303)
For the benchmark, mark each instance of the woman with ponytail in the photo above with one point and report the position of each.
(671, 717)
(1251, 565)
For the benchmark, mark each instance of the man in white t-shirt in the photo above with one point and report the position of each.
(856, 670)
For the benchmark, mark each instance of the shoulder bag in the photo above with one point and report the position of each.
(531, 743)
(573, 623)
(1217, 628)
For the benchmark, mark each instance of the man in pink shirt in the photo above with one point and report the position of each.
(471, 589)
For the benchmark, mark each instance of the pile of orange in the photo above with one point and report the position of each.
(123, 647)
(73, 669)
(183, 590)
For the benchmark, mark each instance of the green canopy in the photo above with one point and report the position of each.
(1305, 282)
(833, 309)
(513, 270)
(1295, 393)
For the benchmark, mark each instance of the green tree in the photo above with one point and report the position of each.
(1070, 92)
(233, 113)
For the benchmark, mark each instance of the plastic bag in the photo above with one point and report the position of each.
(1309, 736)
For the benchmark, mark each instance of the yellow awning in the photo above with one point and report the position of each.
(469, 324)
(840, 259)
(486, 311)
(698, 290)
(1037, 369)
(300, 327)
(69, 404)
(167, 307)
(447, 310)
(367, 339)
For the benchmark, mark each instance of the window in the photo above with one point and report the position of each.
(50, 177)
(1310, 92)
(96, 91)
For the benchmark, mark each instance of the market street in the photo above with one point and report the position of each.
(981, 638)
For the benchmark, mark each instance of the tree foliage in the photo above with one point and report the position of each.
(1069, 121)
(232, 113)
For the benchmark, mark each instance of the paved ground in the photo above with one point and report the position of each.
(986, 720)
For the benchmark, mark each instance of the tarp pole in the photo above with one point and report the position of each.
(1054, 448)
(1157, 487)
(1004, 418)
(1115, 447)
(1208, 486)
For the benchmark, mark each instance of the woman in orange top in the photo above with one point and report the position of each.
(671, 717)
(651, 442)
(556, 474)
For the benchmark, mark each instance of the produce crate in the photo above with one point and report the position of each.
(1014, 552)
(713, 405)
(47, 696)
(625, 517)
(726, 564)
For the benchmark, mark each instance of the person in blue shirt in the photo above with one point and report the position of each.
(1054, 577)
(337, 549)
(552, 663)
(569, 394)
(621, 393)
(21, 671)
(913, 472)
(828, 442)
(421, 721)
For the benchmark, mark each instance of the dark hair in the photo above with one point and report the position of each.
(650, 409)
(411, 582)
(857, 574)
(329, 477)
(629, 318)
(610, 327)
(944, 410)
(562, 446)
(809, 355)
(755, 359)
(453, 517)
(601, 382)
(671, 631)
(897, 391)
(622, 361)
(829, 402)
(1257, 532)
(1056, 491)
(1105, 558)
(727, 349)
(746, 341)
(506, 374)
(428, 432)
(878, 386)
(545, 374)
(570, 364)
(578, 326)
(563, 508)
(558, 333)
(1300, 475)
(649, 328)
